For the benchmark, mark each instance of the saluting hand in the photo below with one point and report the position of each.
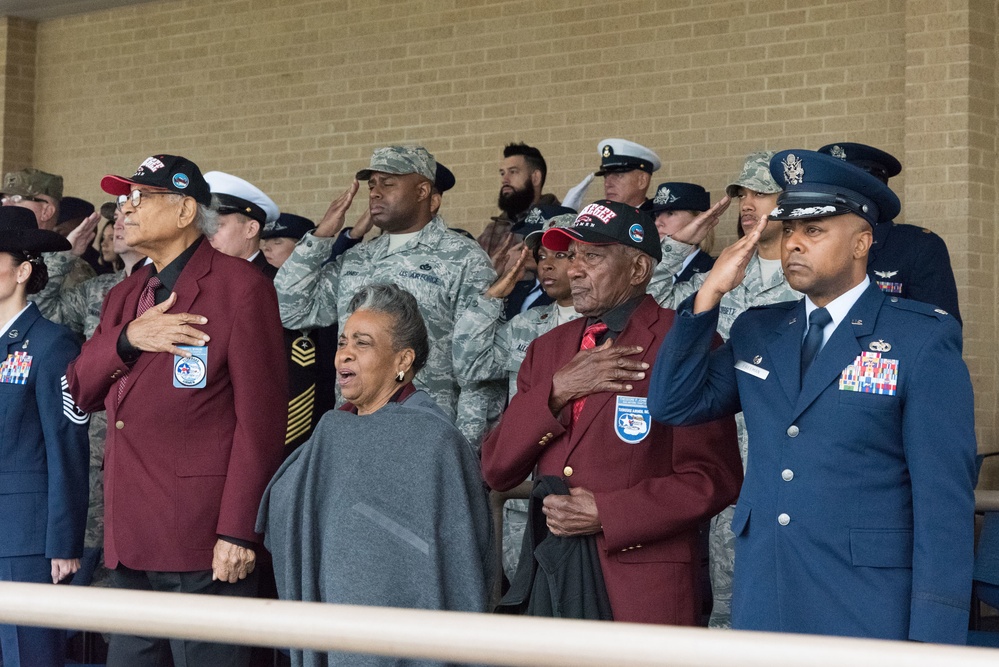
(333, 219)
(571, 515)
(84, 234)
(729, 270)
(697, 229)
(505, 283)
(157, 331)
(231, 562)
(604, 368)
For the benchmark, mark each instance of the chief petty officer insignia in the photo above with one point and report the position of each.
(303, 351)
(632, 420)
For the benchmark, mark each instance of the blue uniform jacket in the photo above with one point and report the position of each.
(44, 448)
(856, 515)
(913, 263)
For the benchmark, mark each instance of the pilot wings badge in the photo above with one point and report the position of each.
(886, 274)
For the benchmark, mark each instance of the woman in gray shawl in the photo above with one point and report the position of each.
(385, 504)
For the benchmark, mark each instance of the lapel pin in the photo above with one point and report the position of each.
(793, 320)
(25, 346)
(12, 334)
(757, 360)
(857, 323)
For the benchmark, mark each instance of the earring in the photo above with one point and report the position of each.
(400, 376)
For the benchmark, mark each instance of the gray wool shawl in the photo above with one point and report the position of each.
(387, 509)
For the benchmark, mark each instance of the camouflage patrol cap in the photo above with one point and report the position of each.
(32, 182)
(401, 160)
(755, 175)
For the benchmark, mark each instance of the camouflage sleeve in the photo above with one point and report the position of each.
(70, 307)
(674, 253)
(79, 272)
(49, 299)
(476, 344)
(306, 288)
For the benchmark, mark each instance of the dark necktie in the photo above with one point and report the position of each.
(146, 301)
(590, 336)
(817, 322)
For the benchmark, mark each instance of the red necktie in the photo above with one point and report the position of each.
(590, 336)
(146, 301)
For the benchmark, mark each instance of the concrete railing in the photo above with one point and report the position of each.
(450, 636)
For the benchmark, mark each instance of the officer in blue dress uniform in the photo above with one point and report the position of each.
(905, 260)
(44, 450)
(856, 515)
(674, 205)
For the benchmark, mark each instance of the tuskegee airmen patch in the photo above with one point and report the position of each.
(191, 373)
(632, 421)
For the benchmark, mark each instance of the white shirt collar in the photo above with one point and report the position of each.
(11, 321)
(838, 308)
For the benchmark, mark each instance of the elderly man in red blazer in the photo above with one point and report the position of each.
(640, 487)
(188, 362)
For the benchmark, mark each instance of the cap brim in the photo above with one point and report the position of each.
(116, 185)
(559, 238)
(804, 210)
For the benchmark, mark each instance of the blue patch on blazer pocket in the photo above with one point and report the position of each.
(881, 548)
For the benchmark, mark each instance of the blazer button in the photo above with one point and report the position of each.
(567, 471)
(787, 475)
(792, 431)
(119, 424)
(783, 519)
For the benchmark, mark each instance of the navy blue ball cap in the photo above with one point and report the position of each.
(680, 197)
(288, 225)
(876, 162)
(170, 172)
(443, 179)
(817, 185)
(605, 222)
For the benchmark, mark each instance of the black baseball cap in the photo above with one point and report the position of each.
(170, 172)
(605, 222)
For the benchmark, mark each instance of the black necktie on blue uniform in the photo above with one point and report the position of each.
(817, 322)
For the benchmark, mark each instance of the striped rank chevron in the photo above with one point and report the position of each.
(69, 409)
(300, 413)
(303, 351)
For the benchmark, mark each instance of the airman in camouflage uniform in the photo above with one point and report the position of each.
(40, 192)
(476, 360)
(754, 291)
(445, 271)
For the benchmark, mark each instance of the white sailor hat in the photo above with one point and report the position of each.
(623, 155)
(238, 196)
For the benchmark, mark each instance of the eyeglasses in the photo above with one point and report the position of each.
(135, 198)
(17, 199)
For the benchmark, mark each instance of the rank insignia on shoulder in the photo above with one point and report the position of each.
(941, 311)
(879, 346)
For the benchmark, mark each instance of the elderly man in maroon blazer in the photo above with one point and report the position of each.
(640, 487)
(187, 362)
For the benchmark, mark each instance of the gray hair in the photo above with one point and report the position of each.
(409, 330)
(207, 218)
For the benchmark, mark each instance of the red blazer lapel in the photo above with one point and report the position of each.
(638, 331)
(187, 291)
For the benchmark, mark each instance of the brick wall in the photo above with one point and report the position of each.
(294, 95)
(17, 92)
